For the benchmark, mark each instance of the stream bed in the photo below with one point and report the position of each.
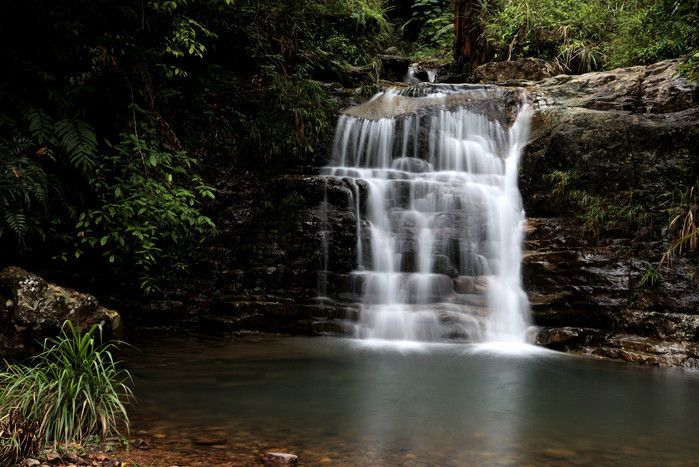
(351, 402)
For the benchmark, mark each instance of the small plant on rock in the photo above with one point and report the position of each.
(651, 277)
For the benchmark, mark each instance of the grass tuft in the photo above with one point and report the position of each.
(72, 390)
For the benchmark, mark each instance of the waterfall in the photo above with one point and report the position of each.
(432, 171)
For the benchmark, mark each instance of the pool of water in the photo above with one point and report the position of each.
(349, 402)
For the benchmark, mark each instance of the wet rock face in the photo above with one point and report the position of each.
(498, 104)
(630, 137)
(33, 309)
(268, 253)
(394, 67)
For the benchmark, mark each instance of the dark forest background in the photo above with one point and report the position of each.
(115, 116)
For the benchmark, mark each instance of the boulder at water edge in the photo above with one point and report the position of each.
(32, 309)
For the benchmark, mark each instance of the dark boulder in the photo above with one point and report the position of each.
(32, 310)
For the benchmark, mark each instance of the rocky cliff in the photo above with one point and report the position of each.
(609, 155)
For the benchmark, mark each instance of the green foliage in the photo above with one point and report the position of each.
(583, 35)
(23, 188)
(568, 31)
(143, 201)
(310, 35)
(690, 67)
(435, 19)
(79, 142)
(654, 31)
(291, 45)
(73, 390)
(147, 206)
(26, 157)
(171, 83)
(294, 115)
(561, 181)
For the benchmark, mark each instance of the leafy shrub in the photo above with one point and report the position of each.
(132, 204)
(26, 183)
(294, 114)
(654, 31)
(690, 67)
(286, 113)
(24, 188)
(170, 83)
(73, 390)
(147, 205)
(570, 31)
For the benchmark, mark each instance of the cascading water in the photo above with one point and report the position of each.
(432, 175)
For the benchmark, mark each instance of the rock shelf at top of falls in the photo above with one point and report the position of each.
(497, 103)
(432, 179)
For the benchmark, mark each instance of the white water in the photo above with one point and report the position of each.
(439, 220)
(412, 75)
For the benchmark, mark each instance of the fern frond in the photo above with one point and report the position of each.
(41, 125)
(15, 147)
(79, 141)
(17, 221)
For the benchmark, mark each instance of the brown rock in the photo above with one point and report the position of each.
(559, 453)
(209, 441)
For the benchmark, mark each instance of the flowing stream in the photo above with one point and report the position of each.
(432, 171)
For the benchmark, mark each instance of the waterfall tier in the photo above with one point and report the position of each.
(432, 172)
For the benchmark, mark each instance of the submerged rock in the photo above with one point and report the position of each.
(280, 458)
(32, 309)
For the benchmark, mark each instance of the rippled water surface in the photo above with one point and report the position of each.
(368, 403)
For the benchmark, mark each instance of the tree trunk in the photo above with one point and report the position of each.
(470, 51)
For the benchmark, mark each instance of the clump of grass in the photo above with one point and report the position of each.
(17, 438)
(683, 225)
(597, 214)
(73, 390)
(651, 277)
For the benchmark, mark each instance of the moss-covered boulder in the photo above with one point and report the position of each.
(32, 309)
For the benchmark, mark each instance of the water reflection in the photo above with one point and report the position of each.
(379, 404)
